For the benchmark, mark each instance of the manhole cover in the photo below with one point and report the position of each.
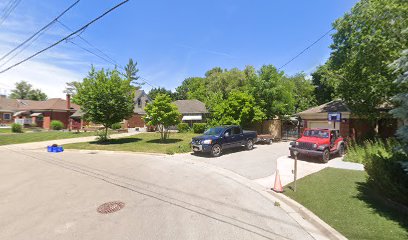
(110, 207)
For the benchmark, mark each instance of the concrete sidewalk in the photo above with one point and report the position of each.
(285, 165)
(44, 144)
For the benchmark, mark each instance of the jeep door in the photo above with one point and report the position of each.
(333, 140)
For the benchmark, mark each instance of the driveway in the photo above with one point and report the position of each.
(255, 164)
(55, 196)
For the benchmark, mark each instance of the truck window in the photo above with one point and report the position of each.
(227, 132)
(236, 130)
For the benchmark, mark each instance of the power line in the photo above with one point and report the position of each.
(106, 57)
(65, 38)
(43, 29)
(304, 50)
(91, 45)
(9, 8)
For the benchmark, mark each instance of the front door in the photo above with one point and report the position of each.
(228, 140)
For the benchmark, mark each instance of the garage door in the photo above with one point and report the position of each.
(323, 124)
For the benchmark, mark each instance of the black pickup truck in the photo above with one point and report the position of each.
(216, 139)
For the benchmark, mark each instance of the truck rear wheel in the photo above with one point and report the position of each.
(249, 144)
(326, 155)
(216, 150)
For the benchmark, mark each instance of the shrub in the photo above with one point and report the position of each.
(183, 127)
(33, 125)
(199, 127)
(56, 125)
(359, 153)
(116, 126)
(16, 128)
(386, 174)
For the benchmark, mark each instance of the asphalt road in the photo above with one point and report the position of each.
(55, 196)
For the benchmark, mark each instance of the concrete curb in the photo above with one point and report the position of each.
(113, 152)
(311, 223)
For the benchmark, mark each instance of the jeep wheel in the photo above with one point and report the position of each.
(216, 150)
(249, 144)
(292, 155)
(341, 150)
(326, 155)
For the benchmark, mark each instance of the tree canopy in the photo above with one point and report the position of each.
(163, 114)
(105, 98)
(156, 91)
(24, 90)
(366, 41)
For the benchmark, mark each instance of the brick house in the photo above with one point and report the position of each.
(141, 99)
(40, 113)
(350, 125)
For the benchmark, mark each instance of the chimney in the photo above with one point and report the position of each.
(68, 101)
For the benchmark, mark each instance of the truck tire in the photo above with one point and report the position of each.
(216, 150)
(326, 155)
(341, 150)
(249, 144)
(292, 155)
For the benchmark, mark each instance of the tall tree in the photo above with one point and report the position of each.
(303, 92)
(239, 108)
(273, 92)
(163, 114)
(24, 90)
(156, 91)
(105, 98)
(131, 71)
(71, 88)
(400, 66)
(366, 41)
(324, 90)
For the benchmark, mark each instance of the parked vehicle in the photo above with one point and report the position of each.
(318, 142)
(216, 139)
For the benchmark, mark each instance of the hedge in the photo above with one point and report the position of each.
(16, 128)
(56, 125)
(199, 127)
(183, 127)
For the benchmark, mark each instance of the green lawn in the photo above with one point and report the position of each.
(341, 199)
(14, 138)
(144, 142)
(5, 130)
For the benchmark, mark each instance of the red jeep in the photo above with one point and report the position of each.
(319, 142)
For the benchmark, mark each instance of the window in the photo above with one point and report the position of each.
(139, 102)
(236, 130)
(6, 116)
(227, 133)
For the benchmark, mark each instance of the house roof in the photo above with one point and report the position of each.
(333, 106)
(190, 106)
(8, 105)
(50, 104)
(25, 105)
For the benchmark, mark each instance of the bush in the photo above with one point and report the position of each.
(384, 165)
(56, 125)
(16, 128)
(183, 127)
(387, 175)
(359, 153)
(199, 127)
(33, 125)
(116, 126)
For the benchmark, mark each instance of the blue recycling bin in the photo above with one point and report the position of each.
(55, 149)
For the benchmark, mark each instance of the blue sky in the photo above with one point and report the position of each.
(170, 40)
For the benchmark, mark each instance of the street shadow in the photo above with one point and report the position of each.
(224, 152)
(167, 141)
(117, 141)
(381, 205)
